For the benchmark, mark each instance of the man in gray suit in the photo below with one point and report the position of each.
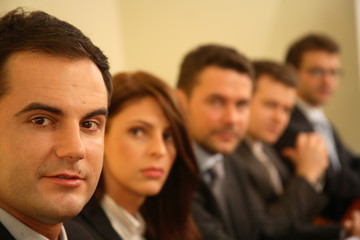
(288, 202)
(215, 86)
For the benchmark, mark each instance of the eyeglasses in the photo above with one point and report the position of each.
(320, 72)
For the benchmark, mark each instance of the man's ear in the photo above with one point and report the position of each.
(182, 97)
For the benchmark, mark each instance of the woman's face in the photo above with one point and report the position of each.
(139, 149)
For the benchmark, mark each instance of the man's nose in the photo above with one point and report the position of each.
(70, 145)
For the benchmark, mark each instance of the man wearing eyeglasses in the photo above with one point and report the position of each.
(315, 59)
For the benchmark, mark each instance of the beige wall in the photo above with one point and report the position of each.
(154, 35)
(157, 33)
(99, 20)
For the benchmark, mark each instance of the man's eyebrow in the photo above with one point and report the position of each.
(101, 111)
(39, 106)
(216, 95)
(43, 107)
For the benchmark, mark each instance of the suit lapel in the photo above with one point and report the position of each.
(283, 171)
(96, 217)
(5, 234)
(257, 173)
(240, 207)
(300, 122)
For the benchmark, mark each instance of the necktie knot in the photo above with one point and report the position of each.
(216, 171)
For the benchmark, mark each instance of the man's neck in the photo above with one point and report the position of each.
(308, 103)
(50, 231)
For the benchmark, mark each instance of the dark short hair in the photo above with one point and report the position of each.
(278, 72)
(167, 214)
(311, 42)
(37, 30)
(210, 55)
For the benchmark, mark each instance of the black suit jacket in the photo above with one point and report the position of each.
(4, 233)
(73, 232)
(342, 187)
(289, 215)
(93, 219)
(240, 224)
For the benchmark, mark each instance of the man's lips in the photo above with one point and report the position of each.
(227, 135)
(153, 172)
(65, 179)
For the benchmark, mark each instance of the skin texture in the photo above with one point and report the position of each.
(218, 108)
(317, 89)
(53, 119)
(139, 153)
(270, 109)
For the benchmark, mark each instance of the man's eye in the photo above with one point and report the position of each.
(215, 102)
(90, 125)
(41, 121)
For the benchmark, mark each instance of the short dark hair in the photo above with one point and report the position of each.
(167, 214)
(278, 72)
(311, 42)
(37, 30)
(210, 55)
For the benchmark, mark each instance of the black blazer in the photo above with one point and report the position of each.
(4, 233)
(240, 224)
(73, 232)
(341, 187)
(93, 219)
(290, 215)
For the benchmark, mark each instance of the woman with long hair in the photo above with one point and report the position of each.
(149, 172)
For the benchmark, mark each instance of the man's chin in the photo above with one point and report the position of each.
(225, 149)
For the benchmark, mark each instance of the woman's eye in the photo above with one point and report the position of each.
(168, 137)
(137, 132)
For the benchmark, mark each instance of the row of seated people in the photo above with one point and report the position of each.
(195, 163)
(235, 111)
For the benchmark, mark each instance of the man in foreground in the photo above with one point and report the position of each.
(54, 91)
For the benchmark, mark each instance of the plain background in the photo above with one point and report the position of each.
(154, 35)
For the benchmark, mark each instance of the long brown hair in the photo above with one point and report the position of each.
(167, 215)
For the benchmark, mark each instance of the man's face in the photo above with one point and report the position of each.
(51, 136)
(218, 108)
(270, 109)
(318, 76)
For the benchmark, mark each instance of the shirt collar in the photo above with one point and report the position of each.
(205, 159)
(313, 114)
(21, 231)
(255, 145)
(125, 224)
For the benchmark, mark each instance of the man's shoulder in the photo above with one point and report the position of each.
(75, 230)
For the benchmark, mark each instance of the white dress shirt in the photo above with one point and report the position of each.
(125, 224)
(22, 232)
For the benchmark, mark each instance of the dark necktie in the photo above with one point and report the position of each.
(216, 174)
(273, 173)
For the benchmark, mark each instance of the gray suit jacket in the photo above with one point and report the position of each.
(286, 216)
(240, 224)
